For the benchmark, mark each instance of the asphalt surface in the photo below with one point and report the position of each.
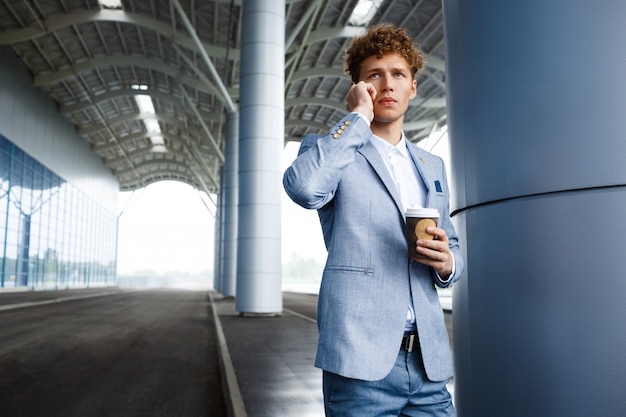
(129, 353)
(125, 353)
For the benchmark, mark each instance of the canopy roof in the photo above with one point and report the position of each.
(185, 54)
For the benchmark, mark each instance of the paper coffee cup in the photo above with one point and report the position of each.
(417, 220)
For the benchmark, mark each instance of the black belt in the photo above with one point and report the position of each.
(410, 341)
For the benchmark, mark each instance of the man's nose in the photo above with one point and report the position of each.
(387, 84)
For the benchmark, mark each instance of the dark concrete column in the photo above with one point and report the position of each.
(261, 141)
(537, 119)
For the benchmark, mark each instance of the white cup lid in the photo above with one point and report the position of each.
(422, 212)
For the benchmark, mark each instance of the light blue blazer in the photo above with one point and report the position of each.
(368, 277)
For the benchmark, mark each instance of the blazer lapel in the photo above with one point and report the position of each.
(371, 154)
(421, 159)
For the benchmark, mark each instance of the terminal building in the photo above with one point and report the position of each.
(57, 201)
(98, 97)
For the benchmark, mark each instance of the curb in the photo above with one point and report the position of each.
(232, 394)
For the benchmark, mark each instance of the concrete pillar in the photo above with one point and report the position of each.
(261, 139)
(231, 196)
(537, 119)
(219, 237)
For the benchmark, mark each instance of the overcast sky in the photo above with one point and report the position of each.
(166, 227)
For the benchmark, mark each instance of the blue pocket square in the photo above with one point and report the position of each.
(438, 187)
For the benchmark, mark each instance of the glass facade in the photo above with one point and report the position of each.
(51, 234)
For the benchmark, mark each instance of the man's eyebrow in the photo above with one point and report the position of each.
(372, 69)
(378, 69)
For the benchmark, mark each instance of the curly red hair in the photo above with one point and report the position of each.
(380, 40)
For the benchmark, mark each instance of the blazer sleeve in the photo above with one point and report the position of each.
(453, 238)
(312, 179)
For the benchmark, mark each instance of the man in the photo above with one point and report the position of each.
(383, 344)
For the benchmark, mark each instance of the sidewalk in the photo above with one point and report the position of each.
(267, 362)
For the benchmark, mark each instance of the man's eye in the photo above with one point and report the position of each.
(374, 76)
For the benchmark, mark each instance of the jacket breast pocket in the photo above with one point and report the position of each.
(347, 269)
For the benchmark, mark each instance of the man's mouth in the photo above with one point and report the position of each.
(387, 101)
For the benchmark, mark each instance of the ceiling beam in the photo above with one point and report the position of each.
(59, 22)
(205, 56)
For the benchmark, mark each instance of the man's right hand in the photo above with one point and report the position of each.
(360, 99)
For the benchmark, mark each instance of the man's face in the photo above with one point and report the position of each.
(394, 84)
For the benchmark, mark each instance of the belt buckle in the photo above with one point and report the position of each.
(410, 344)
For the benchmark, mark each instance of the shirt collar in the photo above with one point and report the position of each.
(383, 146)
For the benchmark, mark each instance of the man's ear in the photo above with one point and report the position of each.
(413, 90)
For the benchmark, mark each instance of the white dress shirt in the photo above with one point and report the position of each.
(408, 182)
(410, 185)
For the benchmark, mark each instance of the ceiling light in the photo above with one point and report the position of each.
(146, 106)
(159, 149)
(364, 11)
(152, 125)
(110, 4)
(144, 103)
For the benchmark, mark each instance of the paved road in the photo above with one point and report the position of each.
(141, 353)
(114, 352)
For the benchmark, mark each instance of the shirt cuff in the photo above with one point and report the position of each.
(362, 117)
(445, 281)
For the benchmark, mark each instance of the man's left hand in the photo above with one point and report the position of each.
(436, 252)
